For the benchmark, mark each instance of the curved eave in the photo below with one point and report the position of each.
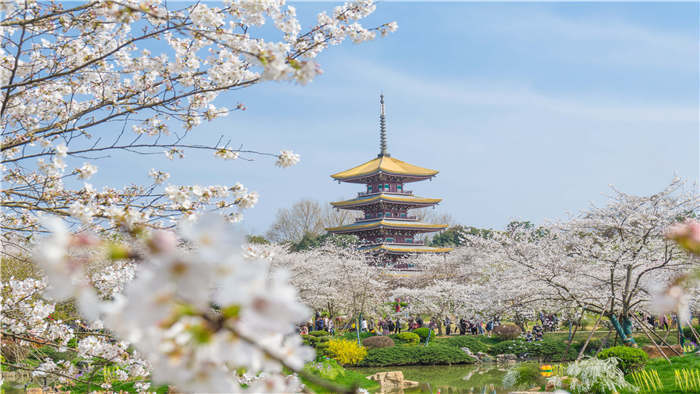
(384, 165)
(405, 200)
(366, 178)
(417, 249)
(417, 226)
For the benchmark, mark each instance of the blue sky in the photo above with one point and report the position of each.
(529, 111)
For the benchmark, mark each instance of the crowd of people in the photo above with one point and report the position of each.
(549, 322)
(446, 326)
(388, 325)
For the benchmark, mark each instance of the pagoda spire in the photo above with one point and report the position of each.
(382, 128)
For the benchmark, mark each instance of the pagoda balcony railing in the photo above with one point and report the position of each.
(404, 193)
(414, 243)
(386, 217)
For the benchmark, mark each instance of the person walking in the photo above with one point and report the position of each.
(397, 327)
(419, 321)
(448, 327)
(319, 324)
(462, 326)
(363, 326)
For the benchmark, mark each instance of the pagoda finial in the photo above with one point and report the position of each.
(382, 128)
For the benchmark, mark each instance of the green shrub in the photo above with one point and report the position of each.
(630, 358)
(408, 338)
(377, 342)
(415, 355)
(352, 335)
(473, 343)
(313, 341)
(319, 333)
(689, 334)
(422, 332)
(552, 350)
(328, 369)
(547, 350)
(507, 332)
(517, 347)
(593, 346)
(525, 375)
(319, 343)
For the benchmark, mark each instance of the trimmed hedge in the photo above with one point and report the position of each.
(320, 343)
(422, 332)
(408, 338)
(319, 333)
(377, 342)
(473, 343)
(630, 358)
(547, 350)
(415, 355)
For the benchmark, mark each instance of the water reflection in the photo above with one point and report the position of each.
(443, 379)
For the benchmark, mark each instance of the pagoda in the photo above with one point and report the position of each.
(386, 229)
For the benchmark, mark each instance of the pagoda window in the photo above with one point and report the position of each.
(380, 187)
(387, 214)
(408, 240)
(399, 187)
(403, 214)
(369, 188)
(386, 187)
(389, 239)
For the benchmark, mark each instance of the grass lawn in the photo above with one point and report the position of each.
(666, 374)
(332, 371)
(349, 380)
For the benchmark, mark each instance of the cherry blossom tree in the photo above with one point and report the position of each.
(82, 81)
(607, 260)
(139, 76)
(335, 279)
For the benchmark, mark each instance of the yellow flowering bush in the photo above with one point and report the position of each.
(346, 352)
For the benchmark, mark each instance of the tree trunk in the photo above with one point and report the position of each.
(625, 337)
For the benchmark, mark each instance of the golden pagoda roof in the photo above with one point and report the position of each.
(385, 164)
(387, 223)
(399, 198)
(407, 249)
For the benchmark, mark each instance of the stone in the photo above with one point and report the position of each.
(507, 358)
(484, 357)
(470, 354)
(392, 381)
(468, 351)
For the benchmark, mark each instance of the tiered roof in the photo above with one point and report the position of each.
(395, 198)
(384, 165)
(404, 249)
(387, 223)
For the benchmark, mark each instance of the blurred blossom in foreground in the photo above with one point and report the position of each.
(196, 313)
(687, 234)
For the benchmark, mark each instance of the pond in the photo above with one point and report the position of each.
(450, 379)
